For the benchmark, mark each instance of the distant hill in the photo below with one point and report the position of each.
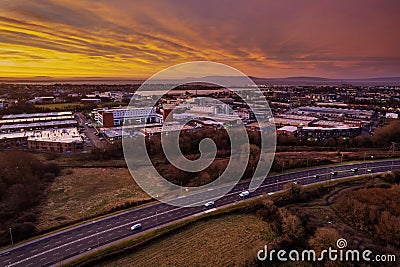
(327, 81)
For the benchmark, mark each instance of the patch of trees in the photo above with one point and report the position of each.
(189, 146)
(107, 152)
(23, 179)
(373, 210)
(21, 107)
(288, 226)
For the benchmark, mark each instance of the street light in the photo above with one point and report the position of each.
(83, 214)
(12, 241)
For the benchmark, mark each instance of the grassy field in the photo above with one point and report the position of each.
(225, 241)
(60, 106)
(83, 192)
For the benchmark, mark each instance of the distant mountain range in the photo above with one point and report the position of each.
(327, 81)
(291, 81)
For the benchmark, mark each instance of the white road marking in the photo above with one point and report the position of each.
(124, 225)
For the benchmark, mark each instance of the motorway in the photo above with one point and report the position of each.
(59, 247)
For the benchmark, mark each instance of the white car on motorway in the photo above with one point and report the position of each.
(209, 204)
(244, 194)
(136, 227)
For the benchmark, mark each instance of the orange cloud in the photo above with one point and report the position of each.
(135, 39)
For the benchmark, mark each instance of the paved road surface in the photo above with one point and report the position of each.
(56, 248)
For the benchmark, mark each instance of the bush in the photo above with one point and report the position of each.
(53, 168)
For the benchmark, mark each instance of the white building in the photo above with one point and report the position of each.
(115, 116)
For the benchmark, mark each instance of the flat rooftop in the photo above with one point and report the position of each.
(35, 115)
(63, 135)
(37, 119)
(37, 124)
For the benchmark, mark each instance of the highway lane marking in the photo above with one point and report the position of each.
(87, 237)
(124, 225)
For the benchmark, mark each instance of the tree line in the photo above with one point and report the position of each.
(23, 180)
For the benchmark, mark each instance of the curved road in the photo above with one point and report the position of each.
(59, 247)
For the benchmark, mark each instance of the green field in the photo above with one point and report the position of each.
(82, 192)
(230, 240)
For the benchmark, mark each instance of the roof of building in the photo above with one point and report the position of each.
(63, 135)
(329, 129)
(37, 119)
(53, 123)
(169, 128)
(33, 115)
(291, 129)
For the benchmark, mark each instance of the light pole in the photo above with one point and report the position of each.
(83, 214)
(12, 240)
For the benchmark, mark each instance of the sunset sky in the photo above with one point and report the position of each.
(135, 39)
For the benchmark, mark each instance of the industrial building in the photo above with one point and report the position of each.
(114, 117)
(50, 131)
(335, 112)
(55, 140)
